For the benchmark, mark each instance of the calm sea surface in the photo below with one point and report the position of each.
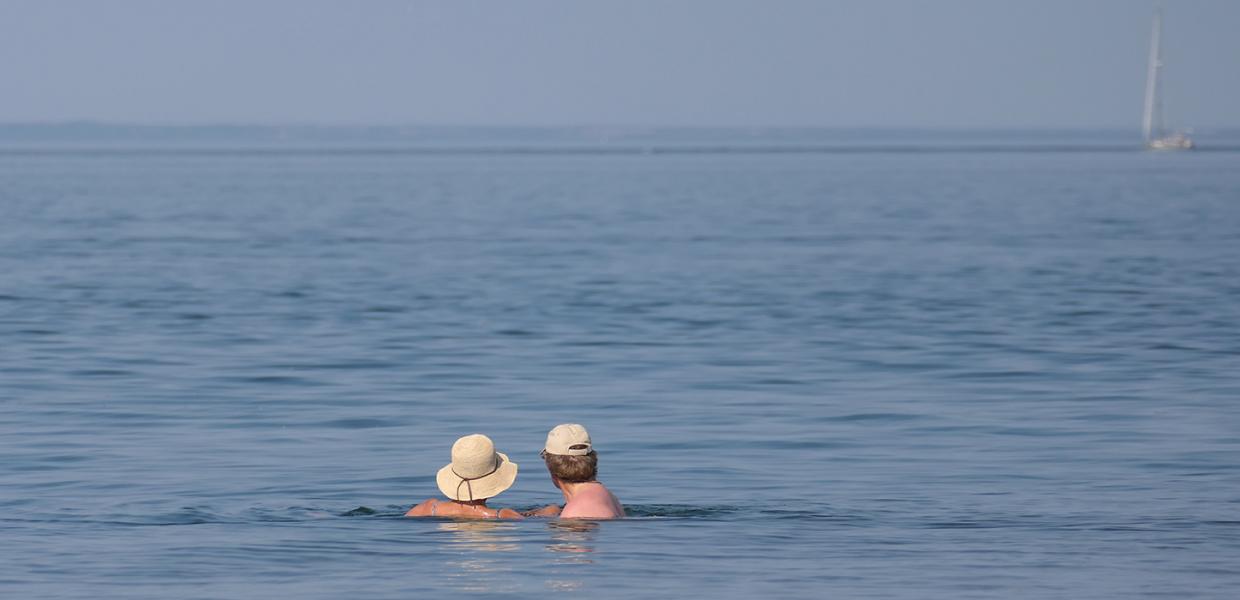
(876, 375)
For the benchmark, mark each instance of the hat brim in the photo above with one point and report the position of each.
(456, 488)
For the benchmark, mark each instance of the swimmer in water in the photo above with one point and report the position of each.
(573, 465)
(477, 472)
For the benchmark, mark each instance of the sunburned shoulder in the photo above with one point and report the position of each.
(594, 503)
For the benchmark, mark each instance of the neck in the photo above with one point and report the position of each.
(482, 502)
(572, 489)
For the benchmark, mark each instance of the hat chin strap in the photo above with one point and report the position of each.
(466, 480)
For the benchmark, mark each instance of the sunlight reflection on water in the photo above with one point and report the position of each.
(474, 544)
(573, 538)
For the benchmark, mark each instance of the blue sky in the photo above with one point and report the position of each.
(834, 63)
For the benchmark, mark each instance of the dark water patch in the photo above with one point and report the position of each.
(102, 373)
(37, 332)
(1174, 347)
(1114, 291)
(147, 361)
(343, 365)
(872, 418)
(690, 323)
(66, 458)
(1032, 432)
(30, 467)
(515, 332)
(602, 343)
(360, 423)
(1194, 468)
(446, 378)
(192, 316)
(1006, 374)
(778, 382)
(976, 524)
(249, 423)
(1109, 417)
(148, 303)
(278, 380)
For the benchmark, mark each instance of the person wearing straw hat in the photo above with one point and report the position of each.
(477, 472)
(573, 465)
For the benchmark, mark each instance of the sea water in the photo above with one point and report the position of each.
(888, 374)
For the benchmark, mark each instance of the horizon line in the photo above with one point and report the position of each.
(322, 125)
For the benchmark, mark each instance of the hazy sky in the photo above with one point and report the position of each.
(846, 63)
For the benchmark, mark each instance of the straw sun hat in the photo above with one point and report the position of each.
(477, 471)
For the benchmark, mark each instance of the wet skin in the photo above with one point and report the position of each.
(478, 509)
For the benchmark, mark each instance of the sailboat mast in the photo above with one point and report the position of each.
(1152, 102)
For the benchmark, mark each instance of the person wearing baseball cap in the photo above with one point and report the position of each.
(573, 465)
(477, 472)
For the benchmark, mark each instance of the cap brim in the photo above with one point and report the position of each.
(490, 486)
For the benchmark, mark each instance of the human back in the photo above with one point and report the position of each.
(592, 500)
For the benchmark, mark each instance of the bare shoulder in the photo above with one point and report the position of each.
(610, 497)
(615, 502)
(508, 513)
(596, 503)
(423, 509)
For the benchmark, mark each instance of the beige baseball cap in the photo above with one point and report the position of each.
(569, 439)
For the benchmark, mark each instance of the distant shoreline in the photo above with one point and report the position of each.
(275, 131)
(112, 138)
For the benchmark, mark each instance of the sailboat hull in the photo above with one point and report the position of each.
(1171, 142)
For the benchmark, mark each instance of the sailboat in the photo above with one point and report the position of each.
(1153, 126)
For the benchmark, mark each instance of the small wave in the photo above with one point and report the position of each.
(359, 423)
(275, 380)
(385, 309)
(102, 373)
(865, 417)
(366, 511)
(192, 316)
(515, 332)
